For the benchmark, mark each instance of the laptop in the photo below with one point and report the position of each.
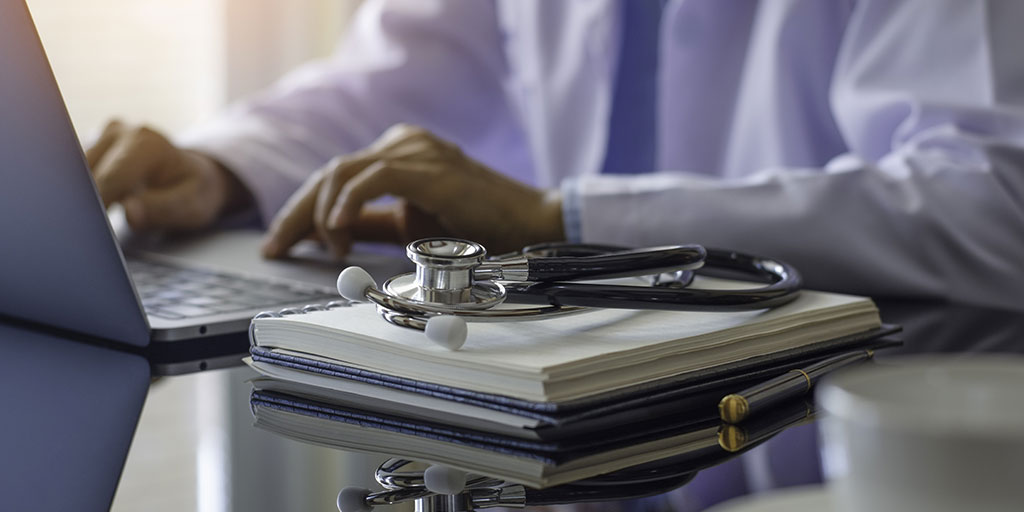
(60, 263)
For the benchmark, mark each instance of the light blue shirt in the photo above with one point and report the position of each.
(631, 147)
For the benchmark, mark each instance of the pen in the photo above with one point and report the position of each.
(736, 407)
(735, 438)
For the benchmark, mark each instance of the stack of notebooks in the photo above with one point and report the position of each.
(560, 399)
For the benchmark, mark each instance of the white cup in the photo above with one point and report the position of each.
(927, 433)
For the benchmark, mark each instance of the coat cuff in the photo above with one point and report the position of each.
(571, 210)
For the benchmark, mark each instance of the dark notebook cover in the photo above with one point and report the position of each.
(692, 390)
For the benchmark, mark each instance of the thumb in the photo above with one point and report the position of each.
(414, 223)
(106, 140)
(168, 208)
(398, 222)
(129, 162)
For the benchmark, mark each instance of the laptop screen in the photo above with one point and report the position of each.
(60, 264)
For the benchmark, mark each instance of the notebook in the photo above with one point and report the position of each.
(563, 359)
(698, 391)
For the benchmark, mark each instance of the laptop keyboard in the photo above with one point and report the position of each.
(174, 293)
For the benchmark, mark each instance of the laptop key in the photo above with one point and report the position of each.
(219, 292)
(228, 307)
(153, 303)
(200, 301)
(253, 300)
(191, 286)
(186, 310)
(157, 312)
(147, 290)
(171, 295)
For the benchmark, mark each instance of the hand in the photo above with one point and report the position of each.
(439, 190)
(159, 185)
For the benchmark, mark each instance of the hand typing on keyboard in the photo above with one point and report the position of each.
(161, 186)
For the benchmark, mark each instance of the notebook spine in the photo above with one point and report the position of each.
(308, 308)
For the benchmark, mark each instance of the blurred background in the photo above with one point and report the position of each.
(170, 64)
(173, 63)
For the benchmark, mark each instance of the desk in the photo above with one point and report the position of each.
(195, 448)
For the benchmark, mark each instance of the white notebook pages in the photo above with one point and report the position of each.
(569, 357)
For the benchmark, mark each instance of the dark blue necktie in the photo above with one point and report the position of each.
(632, 137)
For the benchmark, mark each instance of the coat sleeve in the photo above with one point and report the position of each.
(435, 63)
(936, 91)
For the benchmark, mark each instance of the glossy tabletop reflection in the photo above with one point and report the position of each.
(71, 408)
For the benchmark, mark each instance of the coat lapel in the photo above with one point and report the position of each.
(562, 57)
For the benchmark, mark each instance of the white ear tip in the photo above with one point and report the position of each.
(353, 499)
(449, 331)
(353, 282)
(444, 480)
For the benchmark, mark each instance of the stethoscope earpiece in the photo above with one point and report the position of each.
(448, 331)
(353, 499)
(444, 480)
(353, 283)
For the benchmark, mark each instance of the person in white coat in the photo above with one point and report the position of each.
(877, 145)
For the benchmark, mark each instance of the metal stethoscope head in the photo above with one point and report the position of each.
(456, 282)
(454, 274)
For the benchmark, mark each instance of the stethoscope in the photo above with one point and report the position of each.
(444, 489)
(455, 282)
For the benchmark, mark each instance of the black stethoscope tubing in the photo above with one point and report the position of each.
(568, 494)
(782, 284)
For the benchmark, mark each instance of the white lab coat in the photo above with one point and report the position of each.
(875, 144)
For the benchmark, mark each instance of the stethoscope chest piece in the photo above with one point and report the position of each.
(444, 276)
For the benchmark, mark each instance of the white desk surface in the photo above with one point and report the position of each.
(811, 497)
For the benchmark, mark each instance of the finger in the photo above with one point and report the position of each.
(396, 223)
(379, 223)
(409, 141)
(293, 222)
(414, 223)
(339, 236)
(406, 180)
(124, 168)
(400, 222)
(170, 208)
(110, 133)
(341, 170)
